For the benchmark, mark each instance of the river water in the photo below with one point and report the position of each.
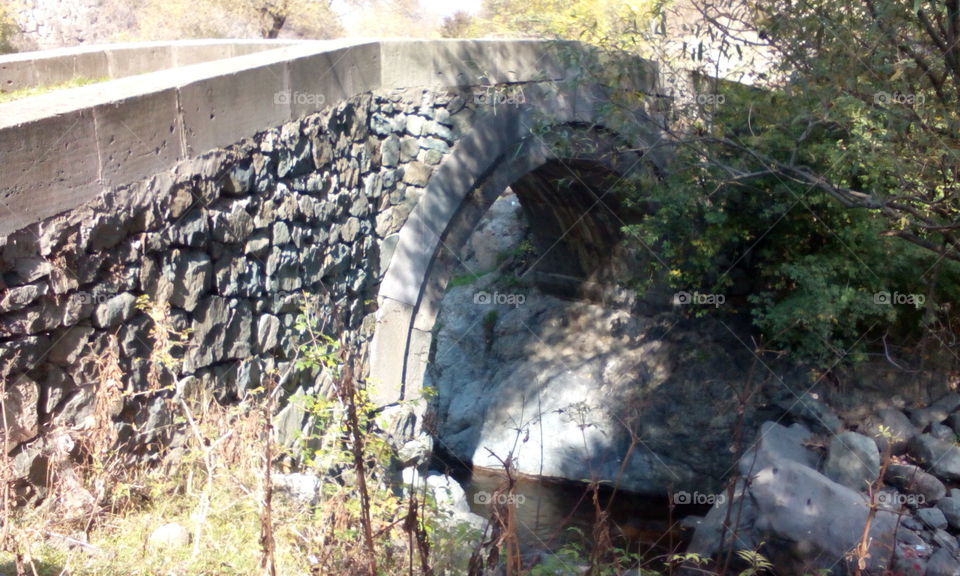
(552, 513)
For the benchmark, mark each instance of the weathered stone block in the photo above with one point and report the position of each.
(115, 310)
(19, 297)
(232, 224)
(20, 410)
(417, 174)
(192, 278)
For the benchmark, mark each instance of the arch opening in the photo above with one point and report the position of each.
(549, 143)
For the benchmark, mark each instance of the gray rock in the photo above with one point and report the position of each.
(193, 230)
(938, 457)
(898, 425)
(435, 145)
(258, 245)
(911, 479)
(912, 523)
(115, 310)
(415, 125)
(239, 180)
(282, 270)
(281, 233)
(390, 151)
(416, 452)
(949, 402)
(924, 417)
(360, 207)
(168, 536)
(300, 488)
(222, 331)
(30, 269)
(943, 539)
(451, 500)
(430, 157)
(231, 225)
(192, 278)
(710, 536)
(909, 537)
(383, 124)
(792, 502)
(18, 297)
(288, 422)
(350, 229)
(813, 412)
(57, 385)
(238, 276)
(853, 460)
(951, 511)
(268, 327)
(409, 148)
(943, 563)
(69, 345)
(777, 443)
(932, 518)
(295, 160)
(417, 173)
(909, 561)
(943, 432)
(440, 131)
(20, 410)
(336, 260)
(802, 515)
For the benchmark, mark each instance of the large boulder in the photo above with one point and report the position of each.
(853, 460)
(809, 409)
(564, 387)
(943, 563)
(571, 388)
(932, 518)
(913, 481)
(951, 511)
(897, 425)
(936, 412)
(806, 521)
(940, 458)
(776, 443)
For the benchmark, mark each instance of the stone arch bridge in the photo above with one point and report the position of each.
(228, 179)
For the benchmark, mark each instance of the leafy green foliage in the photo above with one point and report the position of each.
(757, 563)
(812, 273)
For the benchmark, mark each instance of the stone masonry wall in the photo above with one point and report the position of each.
(232, 241)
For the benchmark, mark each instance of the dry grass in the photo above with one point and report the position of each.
(38, 90)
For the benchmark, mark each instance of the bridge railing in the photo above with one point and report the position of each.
(63, 148)
(112, 61)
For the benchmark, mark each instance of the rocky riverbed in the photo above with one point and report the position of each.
(592, 390)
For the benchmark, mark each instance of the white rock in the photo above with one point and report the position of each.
(171, 535)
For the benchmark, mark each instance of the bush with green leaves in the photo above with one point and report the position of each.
(820, 281)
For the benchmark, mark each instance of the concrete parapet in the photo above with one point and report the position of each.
(31, 69)
(63, 148)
